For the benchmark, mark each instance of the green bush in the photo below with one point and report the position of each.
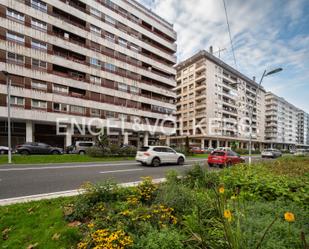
(98, 152)
(246, 152)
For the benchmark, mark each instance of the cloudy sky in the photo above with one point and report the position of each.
(266, 34)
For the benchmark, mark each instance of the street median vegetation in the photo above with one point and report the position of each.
(242, 207)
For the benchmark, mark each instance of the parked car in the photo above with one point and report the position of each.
(4, 150)
(224, 158)
(80, 147)
(224, 148)
(301, 152)
(38, 148)
(156, 155)
(197, 150)
(271, 153)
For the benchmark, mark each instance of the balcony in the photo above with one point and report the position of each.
(200, 85)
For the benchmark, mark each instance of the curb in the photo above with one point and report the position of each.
(47, 196)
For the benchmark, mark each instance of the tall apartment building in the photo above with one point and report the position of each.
(281, 122)
(303, 129)
(214, 103)
(84, 59)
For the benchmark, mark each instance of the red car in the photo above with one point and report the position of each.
(197, 150)
(223, 158)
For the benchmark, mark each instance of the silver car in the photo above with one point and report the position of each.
(271, 153)
(80, 147)
(156, 155)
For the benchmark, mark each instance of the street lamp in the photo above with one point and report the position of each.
(8, 83)
(265, 74)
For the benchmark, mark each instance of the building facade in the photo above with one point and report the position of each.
(303, 129)
(281, 124)
(214, 104)
(110, 61)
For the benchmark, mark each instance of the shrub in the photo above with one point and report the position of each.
(98, 152)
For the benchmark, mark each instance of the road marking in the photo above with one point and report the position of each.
(80, 166)
(121, 170)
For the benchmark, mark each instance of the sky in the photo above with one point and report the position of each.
(266, 34)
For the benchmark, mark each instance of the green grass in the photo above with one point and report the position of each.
(36, 223)
(38, 159)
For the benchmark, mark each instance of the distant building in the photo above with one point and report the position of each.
(303, 129)
(214, 102)
(84, 59)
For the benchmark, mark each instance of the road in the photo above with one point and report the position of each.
(25, 180)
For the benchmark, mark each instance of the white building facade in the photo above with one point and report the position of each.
(303, 129)
(98, 62)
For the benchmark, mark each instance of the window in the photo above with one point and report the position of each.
(15, 37)
(95, 29)
(16, 15)
(39, 64)
(134, 47)
(122, 42)
(60, 107)
(95, 80)
(134, 90)
(37, 24)
(110, 20)
(39, 5)
(17, 101)
(16, 58)
(95, 62)
(60, 89)
(77, 109)
(95, 112)
(95, 12)
(122, 87)
(38, 45)
(110, 37)
(110, 67)
(38, 104)
(110, 114)
(39, 85)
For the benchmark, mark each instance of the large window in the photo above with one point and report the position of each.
(39, 5)
(39, 64)
(110, 67)
(38, 104)
(16, 15)
(95, 29)
(38, 45)
(110, 37)
(17, 101)
(60, 107)
(16, 58)
(38, 85)
(37, 24)
(122, 42)
(15, 37)
(60, 89)
(122, 87)
(95, 62)
(77, 109)
(95, 80)
(134, 90)
(95, 112)
(110, 20)
(95, 12)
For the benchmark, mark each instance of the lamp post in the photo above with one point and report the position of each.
(265, 74)
(8, 83)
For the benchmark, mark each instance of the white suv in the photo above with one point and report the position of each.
(156, 155)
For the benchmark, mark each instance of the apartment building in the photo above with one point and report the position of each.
(281, 123)
(214, 103)
(108, 60)
(303, 129)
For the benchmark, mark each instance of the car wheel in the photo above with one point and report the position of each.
(156, 162)
(24, 152)
(210, 165)
(55, 152)
(82, 152)
(2, 152)
(229, 164)
(181, 161)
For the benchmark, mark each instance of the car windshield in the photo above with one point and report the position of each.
(143, 149)
(218, 153)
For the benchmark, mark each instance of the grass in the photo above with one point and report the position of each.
(42, 159)
(39, 224)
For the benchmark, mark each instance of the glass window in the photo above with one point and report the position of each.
(134, 90)
(37, 24)
(122, 87)
(122, 42)
(38, 104)
(95, 62)
(17, 100)
(95, 29)
(110, 67)
(110, 20)
(60, 107)
(110, 36)
(39, 85)
(38, 45)
(77, 109)
(95, 12)
(95, 112)
(39, 5)
(60, 89)
(39, 63)
(16, 58)
(134, 47)
(95, 80)
(16, 15)
(15, 37)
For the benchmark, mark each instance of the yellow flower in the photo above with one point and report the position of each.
(221, 190)
(91, 225)
(227, 215)
(289, 217)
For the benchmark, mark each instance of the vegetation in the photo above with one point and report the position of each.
(243, 207)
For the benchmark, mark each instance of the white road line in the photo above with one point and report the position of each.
(121, 170)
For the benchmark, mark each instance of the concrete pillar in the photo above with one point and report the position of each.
(68, 136)
(210, 143)
(168, 141)
(202, 143)
(218, 143)
(226, 143)
(29, 131)
(126, 138)
(146, 138)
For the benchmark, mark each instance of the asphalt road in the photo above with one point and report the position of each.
(25, 180)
